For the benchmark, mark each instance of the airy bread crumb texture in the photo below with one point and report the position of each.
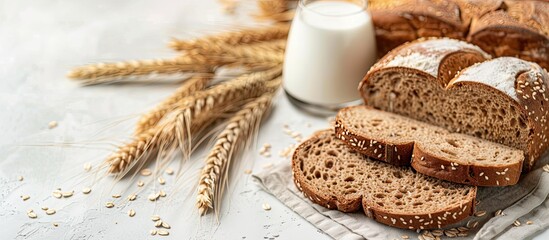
(331, 174)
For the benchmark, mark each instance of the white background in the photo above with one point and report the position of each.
(39, 42)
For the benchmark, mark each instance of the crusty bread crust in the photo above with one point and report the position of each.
(518, 28)
(404, 152)
(527, 91)
(449, 214)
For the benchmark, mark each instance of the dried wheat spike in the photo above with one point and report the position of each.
(191, 114)
(269, 7)
(263, 52)
(160, 69)
(236, 133)
(246, 36)
(190, 86)
(278, 10)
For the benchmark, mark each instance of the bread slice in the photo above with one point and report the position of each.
(504, 100)
(335, 176)
(430, 150)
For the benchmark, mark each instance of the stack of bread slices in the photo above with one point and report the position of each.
(441, 117)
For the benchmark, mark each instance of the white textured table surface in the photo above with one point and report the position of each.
(39, 42)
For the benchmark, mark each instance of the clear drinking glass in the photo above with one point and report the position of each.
(330, 48)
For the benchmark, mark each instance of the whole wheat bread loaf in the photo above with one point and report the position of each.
(503, 100)
(335, 176)
(519, 29)
(431, 150)
(397, 22)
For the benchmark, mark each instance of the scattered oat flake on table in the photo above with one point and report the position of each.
(546, 168)
(86, 190)
(529, 222)
(169, 171)
(57, 194)
(155, 218)
(248, 171)
(132, 197)
(109, 204)
(31, 214)
(266, 206)
(166, 225)
(50, 211)
(67, 194)
(162, 193)
(158, 223)
(116, 196)
(56, 224)
(140, 183)
(131, 213)
(44, 208)
(404, 237)
(146, 172)
(153, 232)
(516, 223)
(163, 233)
(25, 197)
(161, 181)
(20, 178)
(267, 165)
(52, 124)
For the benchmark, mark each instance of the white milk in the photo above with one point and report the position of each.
(330, 48)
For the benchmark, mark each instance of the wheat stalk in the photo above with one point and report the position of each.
(214, 174)
(246, 36)
(159, 69)
(190, 86)
(192, 114)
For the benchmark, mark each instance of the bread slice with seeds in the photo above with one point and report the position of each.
(335, 176)
(505, 100)
(430, 150)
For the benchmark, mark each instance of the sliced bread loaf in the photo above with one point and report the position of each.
(335, 176)
(430, 150)
(503, 100)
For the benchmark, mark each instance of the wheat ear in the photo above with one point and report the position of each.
(262, 52)
(215, 172)
(160, 69)
(190, 86)
(246, 36)
(192, 114)
(277, 10)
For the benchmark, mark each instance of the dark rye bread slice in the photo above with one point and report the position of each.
(430, 150)
(504, 100)
(333, 175)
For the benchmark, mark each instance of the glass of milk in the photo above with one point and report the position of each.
(330, 48)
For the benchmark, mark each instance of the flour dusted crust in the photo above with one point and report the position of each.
(395, 196)
(502, 100)
(526, 83)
